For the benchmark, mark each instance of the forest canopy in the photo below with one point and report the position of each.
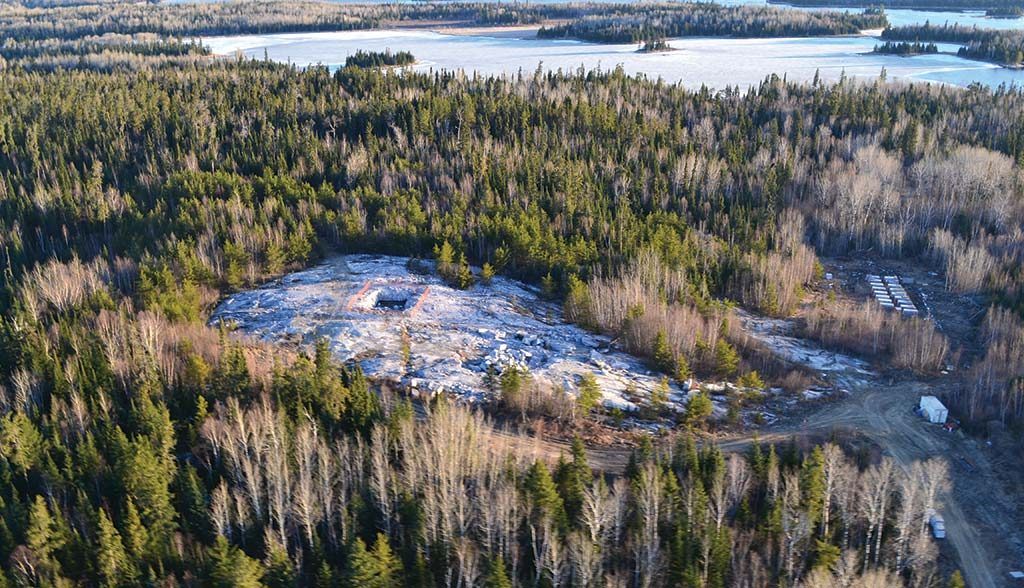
(141, 180)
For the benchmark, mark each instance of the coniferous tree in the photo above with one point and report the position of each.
(664, 358)
(727, 361)
(43, 538)
(588, 395)
(572, 478)
(486, 274)
(813, 485)
(698, 408)
(543, 493)
(133, 534)
(230, 567)
(375, 568)
(497, 575)
(280, 571)
(112, 562)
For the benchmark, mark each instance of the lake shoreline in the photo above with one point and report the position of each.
(713, 61)
(856, 6)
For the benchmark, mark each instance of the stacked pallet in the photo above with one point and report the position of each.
(891, 294)
(881, 292)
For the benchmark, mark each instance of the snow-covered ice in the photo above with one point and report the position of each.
(453, 336)
(698, 61)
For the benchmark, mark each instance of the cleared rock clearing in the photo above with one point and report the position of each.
(409, 327)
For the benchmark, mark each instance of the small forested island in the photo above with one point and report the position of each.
(655, 46)
(385, 58)
(906, 49)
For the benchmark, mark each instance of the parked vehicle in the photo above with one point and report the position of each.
(938, 525)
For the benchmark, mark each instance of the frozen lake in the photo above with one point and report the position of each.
(715, 62)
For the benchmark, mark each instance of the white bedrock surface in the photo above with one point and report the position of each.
(453, 337)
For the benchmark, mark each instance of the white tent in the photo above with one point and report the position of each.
(933, 410)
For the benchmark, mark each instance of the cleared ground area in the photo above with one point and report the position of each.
(407, 326)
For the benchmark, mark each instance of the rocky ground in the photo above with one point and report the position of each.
(449, 342)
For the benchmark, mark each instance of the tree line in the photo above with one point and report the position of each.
(951, 5)
(634, 23)
(1005, 12)
(1001, 46)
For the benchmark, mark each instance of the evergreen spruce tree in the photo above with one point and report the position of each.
(660, 396)
(133, 533)
(44, 538)
(698, 409)
(573, 478)
(362, 406)
(376, 568)
(727, 361)
(229, 567)
(588, 395)
(486, 274)
(682, 370)
(813, 485)
(497, 575)
(543, 493)
(190, 497)
(112, 565)
(756, 458)
(664, 358)
(444, 254)
(280, 571)
(464, 277)
(547, 286)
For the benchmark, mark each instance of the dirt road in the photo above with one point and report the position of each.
(980, 518)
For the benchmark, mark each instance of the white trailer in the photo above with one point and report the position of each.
(933, 410)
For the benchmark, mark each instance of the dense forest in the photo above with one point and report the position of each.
(140, 445)
(1002, 46)
(633, 23)
(173, 186)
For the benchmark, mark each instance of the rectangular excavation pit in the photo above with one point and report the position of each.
(397, 297)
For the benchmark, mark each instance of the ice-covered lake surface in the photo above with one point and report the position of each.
(452, 336)
(714, 62)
